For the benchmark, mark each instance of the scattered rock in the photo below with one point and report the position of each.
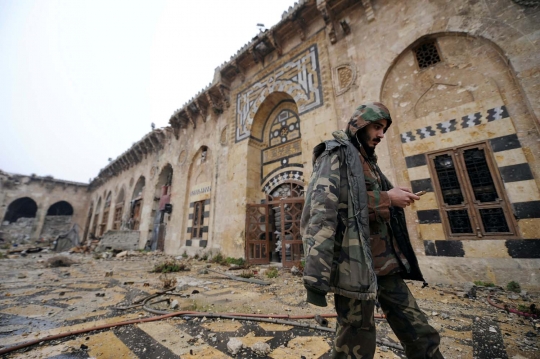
(234, 345)
(295, 271)
(21, 276)
(174, 304)
(261, 349)
(122, 254)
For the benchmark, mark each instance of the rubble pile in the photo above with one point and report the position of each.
(38, 300)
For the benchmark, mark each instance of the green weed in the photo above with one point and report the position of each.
(513, 287)
(272, 272)
(169, 266)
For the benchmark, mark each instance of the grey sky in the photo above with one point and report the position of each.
(80, 81)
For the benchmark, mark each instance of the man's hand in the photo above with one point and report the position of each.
(402, 197)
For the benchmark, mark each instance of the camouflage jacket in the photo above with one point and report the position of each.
(335, 225)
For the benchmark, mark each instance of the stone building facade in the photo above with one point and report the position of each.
(34, 208)
(461, 80)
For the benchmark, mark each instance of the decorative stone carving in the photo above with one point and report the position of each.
(344, 78)
(300, 78)
(326, 13)
(369, 10)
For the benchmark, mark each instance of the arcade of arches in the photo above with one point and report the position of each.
(228, 173)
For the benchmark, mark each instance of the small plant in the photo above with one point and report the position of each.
(513, 287)
(2, 255)
(237, 261)
(246, 274)
(169, 266)
(196, 256)
(5, 246)
(166, 281)
(524, 308)
(272, 272)
(184, 255)
(204, 257)
(218, 258)
(483, 284)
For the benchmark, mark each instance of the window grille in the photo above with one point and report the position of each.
(427, 54)
(471, 193)
(198, 220)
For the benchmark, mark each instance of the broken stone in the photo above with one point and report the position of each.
(109, 274)
(234, 345)
(122, 254)
(174, 304)
(295, 271)
(261, 349)
(470, 290)
(100, 294)
(21, 276)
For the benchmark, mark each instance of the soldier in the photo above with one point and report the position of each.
(357, 245)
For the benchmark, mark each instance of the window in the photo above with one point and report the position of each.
(198, 220)
(117, 216)
(471, 193)
(427, 54)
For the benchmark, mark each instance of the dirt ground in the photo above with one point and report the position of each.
(37, 301)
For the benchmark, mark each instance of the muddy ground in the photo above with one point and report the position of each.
(37, 301)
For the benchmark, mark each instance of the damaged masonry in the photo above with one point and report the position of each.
(226, 180)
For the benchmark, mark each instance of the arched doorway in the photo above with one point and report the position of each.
(88, 220)
(105, 217)
(19, 220)
(198, 205)
(57, 220)
(275, 178)
(136, 204)
(118, 210)
(160, 208)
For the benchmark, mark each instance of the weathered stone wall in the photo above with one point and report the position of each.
(44, 191)
(322, 68)
(119, 240)
(55, 226)
(17, 232)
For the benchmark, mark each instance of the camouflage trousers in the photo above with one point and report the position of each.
(355, 337)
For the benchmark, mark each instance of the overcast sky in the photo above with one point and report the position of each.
(81, 81)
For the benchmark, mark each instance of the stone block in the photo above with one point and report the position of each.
(119, 240)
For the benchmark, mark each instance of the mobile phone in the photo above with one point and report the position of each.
(420, 193)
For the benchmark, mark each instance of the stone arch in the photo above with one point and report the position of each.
(95, 220)
(274, 148)
(88, 220)
(197, 205)
(19, 220)
(57, 221)
(452, 103)
(60, 208)
(119, 209)
(158, 217)
(24, 207)
(137, 198)
(103, 226)
(500, 35)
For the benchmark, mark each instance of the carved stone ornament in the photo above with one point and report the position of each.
(344, 77)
